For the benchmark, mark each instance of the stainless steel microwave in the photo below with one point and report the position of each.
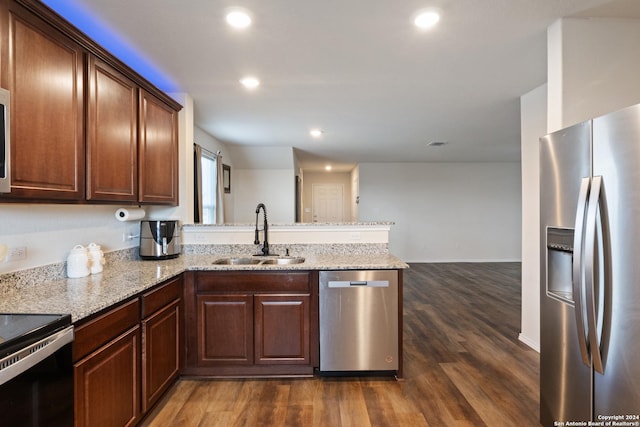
(5, 146)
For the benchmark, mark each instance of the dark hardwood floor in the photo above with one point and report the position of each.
(463, 366)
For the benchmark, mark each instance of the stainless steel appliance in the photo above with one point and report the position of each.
(5, 146)
(159, 239)
(590, 271)
(36, 371)
(359, 320)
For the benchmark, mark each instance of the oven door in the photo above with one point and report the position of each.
(37, 383)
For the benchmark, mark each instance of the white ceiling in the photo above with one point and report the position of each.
(378, 87)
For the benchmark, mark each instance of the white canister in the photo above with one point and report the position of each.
(78, 264)
(96, 258)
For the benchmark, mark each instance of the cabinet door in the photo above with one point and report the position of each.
(161, 353)
(225, 329)
(158, 151)
(106, 384)
(112, 135)
(282, 329)
(45, 71)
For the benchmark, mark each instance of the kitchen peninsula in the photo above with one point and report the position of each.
(141, 324)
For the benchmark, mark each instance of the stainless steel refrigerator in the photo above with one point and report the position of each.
(590, 271)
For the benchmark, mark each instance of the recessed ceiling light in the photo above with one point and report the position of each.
(316, 133)
(426, 19)
(328, 168)
(250, 82)
(238, 19)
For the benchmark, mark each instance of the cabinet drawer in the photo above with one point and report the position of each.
(253, 281)
(157, 298)
(96, 332)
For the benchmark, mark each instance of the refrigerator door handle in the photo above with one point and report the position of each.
(590, 256)
(578, 271)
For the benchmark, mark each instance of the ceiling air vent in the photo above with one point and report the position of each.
(436, 144)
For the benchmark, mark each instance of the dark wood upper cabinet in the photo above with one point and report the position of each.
(84, 126)
(158, 151)
(44, 71)
(112, 134)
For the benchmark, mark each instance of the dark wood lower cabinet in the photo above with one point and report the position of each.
(161, 353)
(225, 329)
(106, 384)
(162, 340)
(126, 357)
(282, 328)
(251, 323)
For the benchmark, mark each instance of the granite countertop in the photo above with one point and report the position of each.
(88, 295)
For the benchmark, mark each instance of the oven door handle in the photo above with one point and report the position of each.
(24, 359)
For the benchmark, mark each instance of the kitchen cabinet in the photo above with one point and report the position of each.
(225, 329)
(282, 329)
(251, 323)
(44, 71)
(158, 151)
(130, 156)
(161, 340)
(106, 368)
(128, 356)
(84, 126)
(112, 134)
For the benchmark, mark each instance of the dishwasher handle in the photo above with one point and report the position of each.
(359, 283)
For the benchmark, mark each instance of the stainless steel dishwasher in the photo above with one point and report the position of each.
(358, 320)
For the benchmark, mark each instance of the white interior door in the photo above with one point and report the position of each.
(327, 200)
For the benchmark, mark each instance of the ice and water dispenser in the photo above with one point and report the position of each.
(560, 263)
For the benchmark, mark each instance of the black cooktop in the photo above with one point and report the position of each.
(18, 330)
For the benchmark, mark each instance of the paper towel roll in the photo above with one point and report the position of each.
(134, 214)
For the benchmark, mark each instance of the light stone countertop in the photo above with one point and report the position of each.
(124, 279)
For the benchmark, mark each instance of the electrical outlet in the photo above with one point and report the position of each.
(16, 254)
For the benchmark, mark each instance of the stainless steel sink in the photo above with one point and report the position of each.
(237, 261)
(259, 260)
(285, 260)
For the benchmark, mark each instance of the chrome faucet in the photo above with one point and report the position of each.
(265, 228)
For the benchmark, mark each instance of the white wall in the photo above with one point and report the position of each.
(592, 68)
(273, 187)
(262, 175)
(445, 211)
(533, 125)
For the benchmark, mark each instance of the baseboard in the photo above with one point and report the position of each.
(531, 343)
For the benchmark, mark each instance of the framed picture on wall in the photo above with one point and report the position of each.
(226, 178)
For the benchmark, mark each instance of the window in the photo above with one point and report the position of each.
(208, 164)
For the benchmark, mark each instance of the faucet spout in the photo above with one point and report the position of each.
(265, 228)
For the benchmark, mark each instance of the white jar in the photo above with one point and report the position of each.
(96, 258)
(78, 264)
